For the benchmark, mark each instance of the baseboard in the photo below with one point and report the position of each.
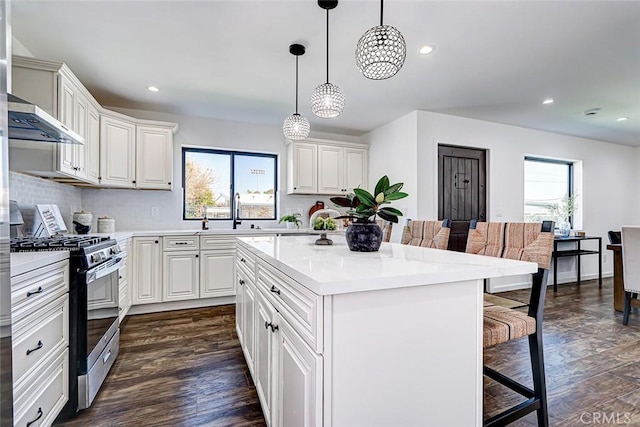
(180, 305)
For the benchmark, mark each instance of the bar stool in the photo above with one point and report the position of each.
(428, 234)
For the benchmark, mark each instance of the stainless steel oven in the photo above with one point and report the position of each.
(98, 333)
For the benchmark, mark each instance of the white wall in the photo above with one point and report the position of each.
(609, 175)
(392, 152)
(132, 208)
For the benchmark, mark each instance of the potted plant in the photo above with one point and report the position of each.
(565, 209)
(291, 220)
(363, 234)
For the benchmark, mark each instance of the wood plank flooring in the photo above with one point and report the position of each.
(185, 368)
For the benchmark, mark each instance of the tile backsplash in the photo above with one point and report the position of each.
(29, 191)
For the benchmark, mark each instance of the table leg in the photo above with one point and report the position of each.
(579, 263)
(555, 266)
(600, 262)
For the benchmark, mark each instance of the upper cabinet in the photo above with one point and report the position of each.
(119, 151)
(326, 167)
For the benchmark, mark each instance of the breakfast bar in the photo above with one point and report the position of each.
(340, 338)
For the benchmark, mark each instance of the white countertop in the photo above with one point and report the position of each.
(23, 262)
(224, 232)
(329, 270)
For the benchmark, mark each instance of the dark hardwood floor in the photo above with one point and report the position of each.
(185, 368)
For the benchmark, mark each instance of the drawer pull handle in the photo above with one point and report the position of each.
(273, 327)
(275, 290)
(40, 413)
(106, 357)
(243, 260)
(266, 324)
(39, 291)
(36, 348)
(241, 282)
(182, 243)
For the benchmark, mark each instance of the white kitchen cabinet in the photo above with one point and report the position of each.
(240, 282)
(265, 355)
(217, 273)
(154, 157)
(117, 151)
(326, 167)
(302, 168)
(124, 301)
(67, 153)
(92, 144)
(181, 275)
(298, 376)
(248, 313)
(40, 323)
(146, 270)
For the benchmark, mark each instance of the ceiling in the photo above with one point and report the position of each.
(494, 60)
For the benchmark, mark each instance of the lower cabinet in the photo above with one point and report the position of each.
(147, 273)
(286, 371)
(181, 276)
(40, 323)
(217, 272)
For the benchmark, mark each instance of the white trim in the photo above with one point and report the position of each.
(180, 305)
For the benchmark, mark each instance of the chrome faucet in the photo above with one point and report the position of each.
(236, 215)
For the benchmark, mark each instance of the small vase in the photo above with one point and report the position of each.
(564, 229)
(364, 237)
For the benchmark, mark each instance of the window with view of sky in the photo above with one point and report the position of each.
(546, 183)
(212, 177)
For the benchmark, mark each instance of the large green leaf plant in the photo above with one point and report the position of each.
(364, 206)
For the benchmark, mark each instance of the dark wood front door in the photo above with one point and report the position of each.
(462, 176)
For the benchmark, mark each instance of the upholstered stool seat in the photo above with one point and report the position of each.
(501, 324)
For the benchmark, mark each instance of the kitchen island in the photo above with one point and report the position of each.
(338, 338)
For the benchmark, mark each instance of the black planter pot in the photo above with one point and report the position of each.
(364, 237)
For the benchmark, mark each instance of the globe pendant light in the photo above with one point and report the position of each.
(296, 126)
(381, 51)
(327, 100)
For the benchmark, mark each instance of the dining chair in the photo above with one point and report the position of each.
(387, 227)
(428, 234)
(615, 237)
(485, 238)
(526, 242)
(631, 267)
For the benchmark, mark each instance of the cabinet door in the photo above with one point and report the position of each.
(117, 152)
(146, 270)
(66, 152)
(240, 284)
(181, 277)
(92, 145)
(303, 168)
(264, 355)
(298, 402)
(81, 115)
(355, 169)
(248, 312)
(330, 170)
(154, 157)
(217, 273)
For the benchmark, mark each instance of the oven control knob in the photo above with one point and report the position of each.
(114, 250)
(95, 258)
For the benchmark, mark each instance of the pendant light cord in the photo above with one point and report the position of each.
(296, 84)
(381, 10)
(327, 45)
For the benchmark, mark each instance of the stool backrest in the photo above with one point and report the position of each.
(529, 241)
(486, 238)
(428, 234)
(386, 227)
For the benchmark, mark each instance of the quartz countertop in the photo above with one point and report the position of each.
(224, 232)
(329, 270)
(23, 262)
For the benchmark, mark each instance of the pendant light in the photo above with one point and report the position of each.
(296, 126)
(381, 51)
(327, 100)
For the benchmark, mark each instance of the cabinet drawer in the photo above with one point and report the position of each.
(35, 289)
(180, 243)
(246, 260)
(217, 242)
(38, 336)
(46, 394)
(296, 304)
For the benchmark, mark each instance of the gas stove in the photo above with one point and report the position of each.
(89, 251)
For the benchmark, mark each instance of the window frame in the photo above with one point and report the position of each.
(232, 154)
(570, 179)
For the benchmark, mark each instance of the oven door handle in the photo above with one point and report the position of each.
(98, 272)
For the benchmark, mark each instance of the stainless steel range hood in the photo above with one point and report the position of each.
(28, 122)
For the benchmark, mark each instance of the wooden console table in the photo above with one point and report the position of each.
(576, 253)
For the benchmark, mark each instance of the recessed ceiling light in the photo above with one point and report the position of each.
(622, 119)
(153, 89)
(426, 49)
(548, 101)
